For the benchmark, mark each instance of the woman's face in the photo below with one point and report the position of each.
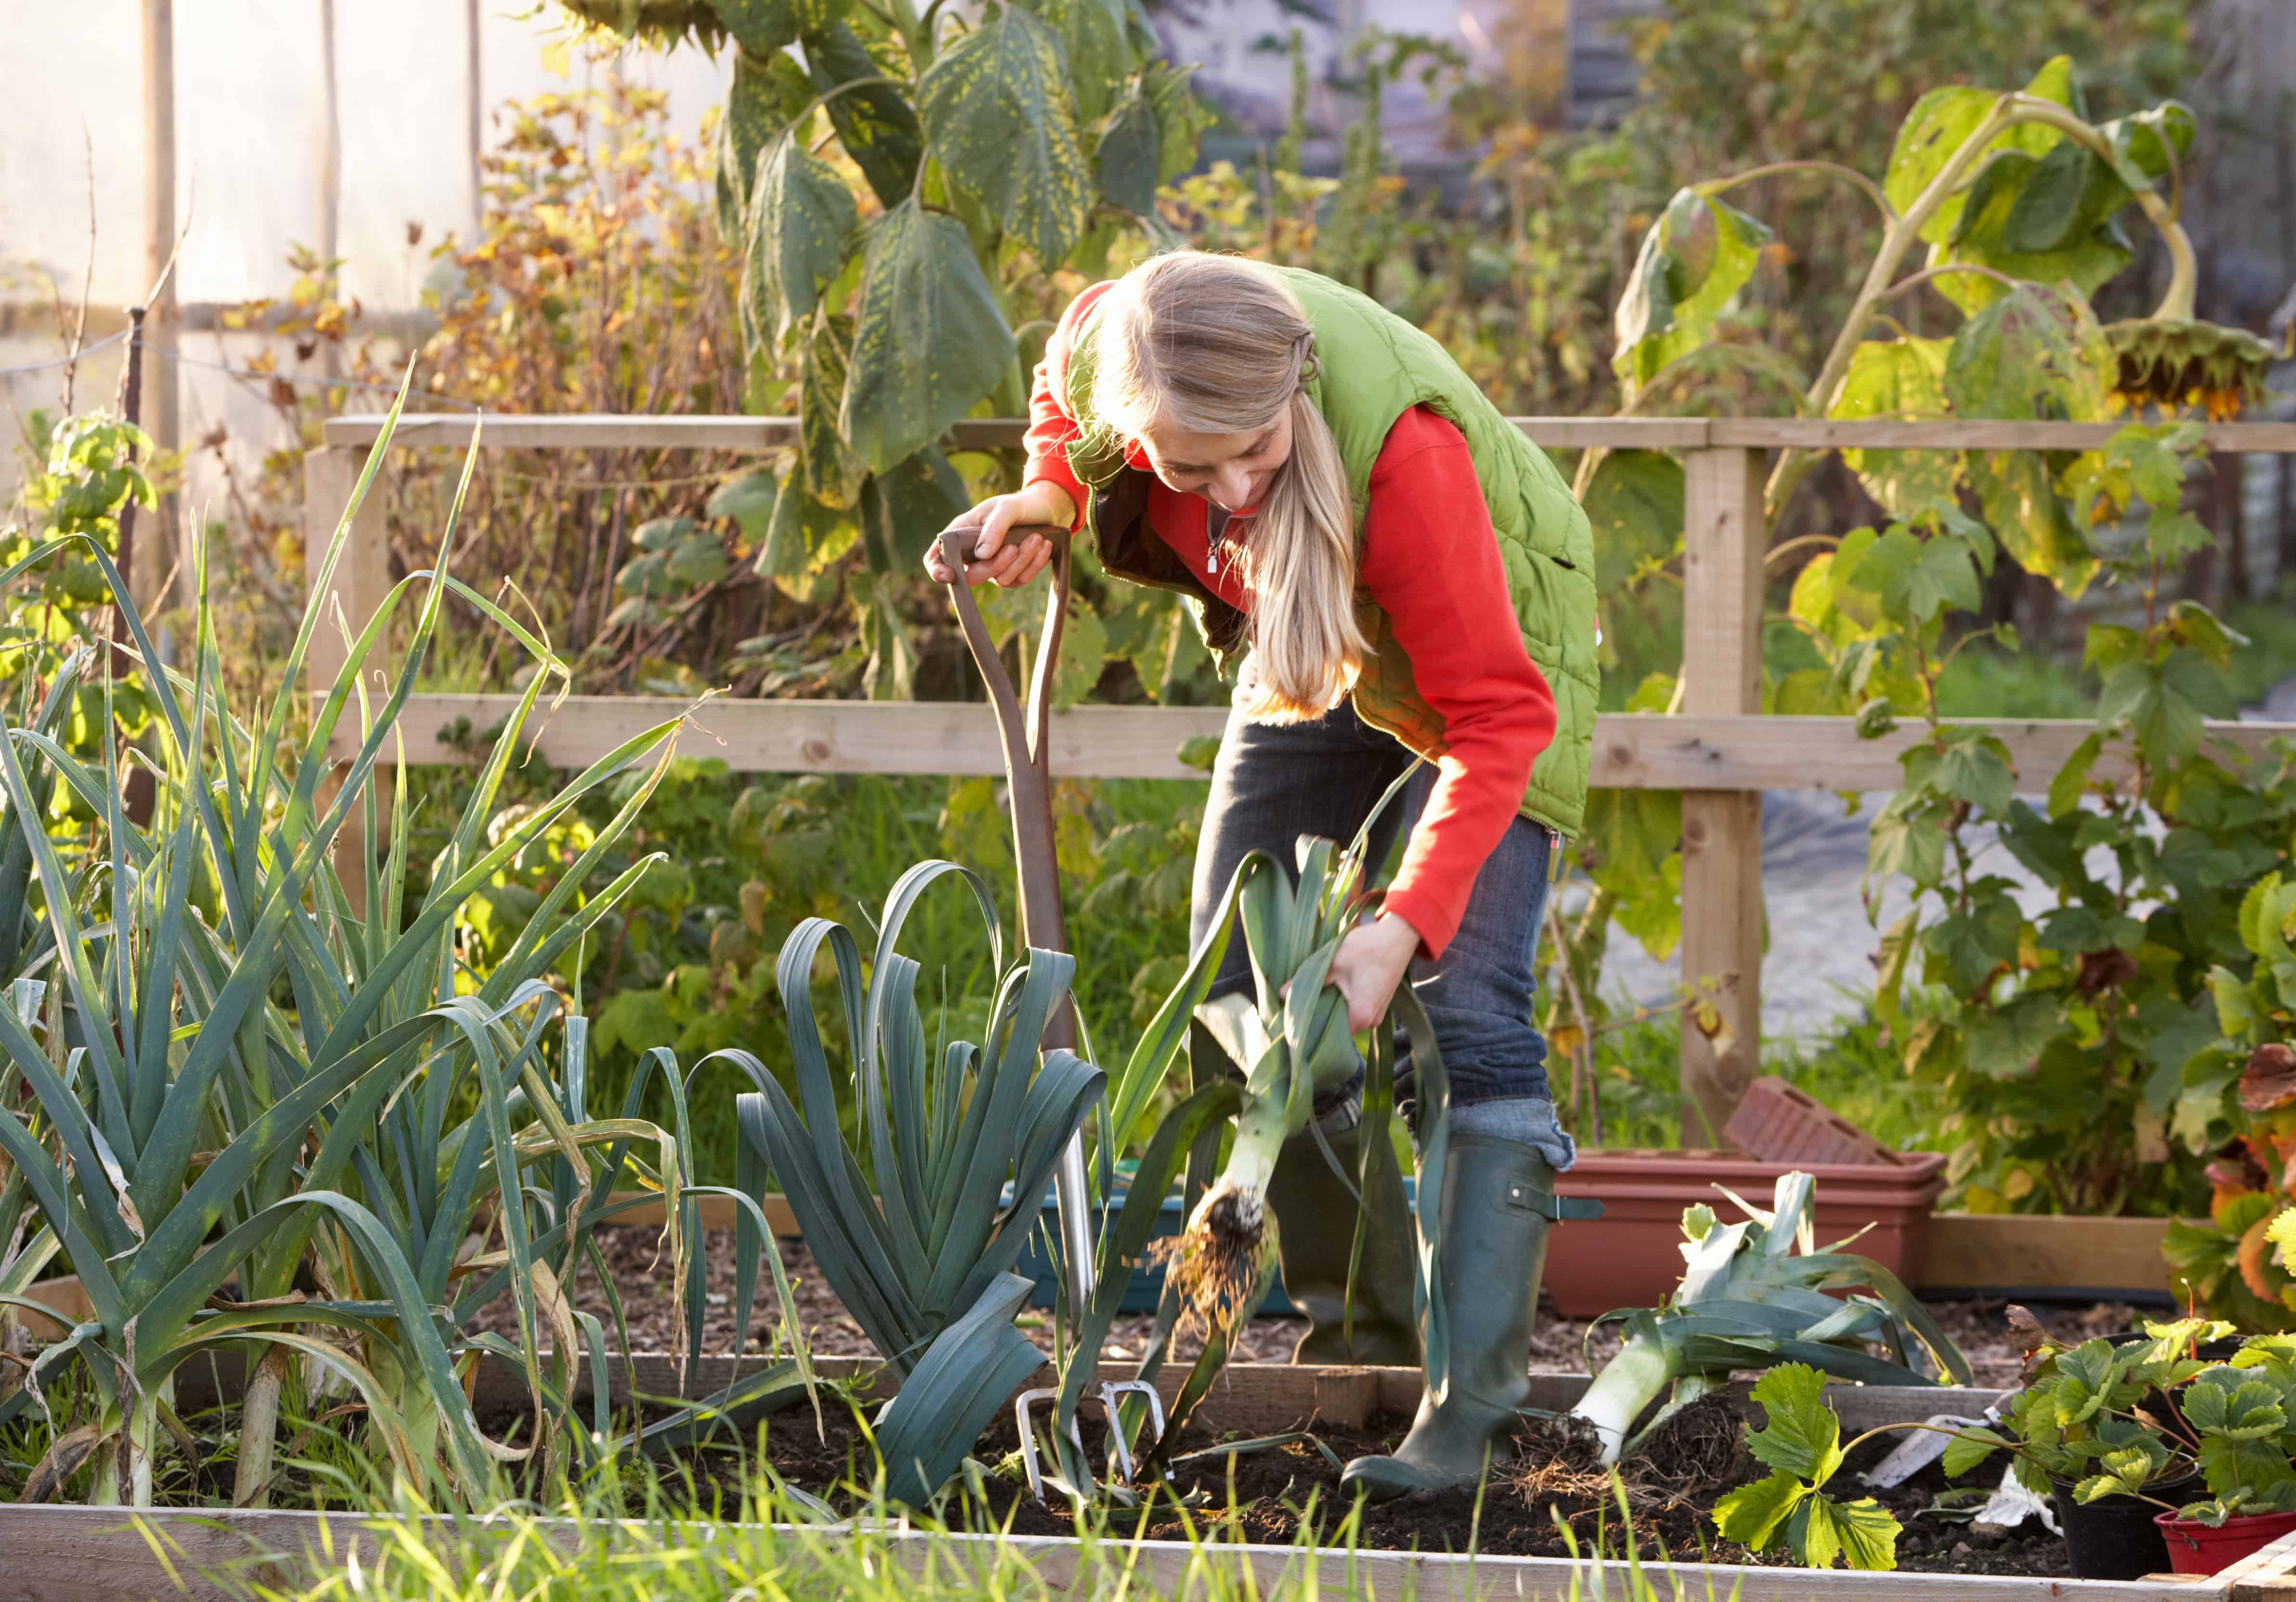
(1231, 470)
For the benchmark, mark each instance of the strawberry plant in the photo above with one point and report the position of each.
(1800, 1442)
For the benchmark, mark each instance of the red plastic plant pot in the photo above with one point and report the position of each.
(2198, 1548)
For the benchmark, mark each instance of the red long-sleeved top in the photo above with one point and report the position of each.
(1431, 560)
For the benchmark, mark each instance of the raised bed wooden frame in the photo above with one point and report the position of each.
(69, 1554)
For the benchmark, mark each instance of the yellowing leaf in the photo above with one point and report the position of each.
(799, 215)
(996, 109)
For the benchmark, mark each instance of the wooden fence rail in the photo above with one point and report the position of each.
(1721, 752)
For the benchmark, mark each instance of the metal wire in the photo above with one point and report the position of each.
(66, 361)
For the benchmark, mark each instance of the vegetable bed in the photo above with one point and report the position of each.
(1277, 1494)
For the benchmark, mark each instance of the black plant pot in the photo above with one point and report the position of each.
(2114, 1537)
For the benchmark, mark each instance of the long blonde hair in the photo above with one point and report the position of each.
(1216, 345)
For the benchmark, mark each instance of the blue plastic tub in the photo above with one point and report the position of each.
(1147, 1285)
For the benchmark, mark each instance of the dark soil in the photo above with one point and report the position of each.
(1559, 1346)
(1554, 1485)
(1267, 1495)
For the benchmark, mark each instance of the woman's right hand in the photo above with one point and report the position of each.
(1014, 564)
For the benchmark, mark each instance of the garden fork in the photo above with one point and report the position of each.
(1028, 773)
(1025, 735)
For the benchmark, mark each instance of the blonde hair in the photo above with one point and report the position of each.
(1216, 345)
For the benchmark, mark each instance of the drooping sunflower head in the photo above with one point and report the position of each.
(658, 22)
(2169, 362)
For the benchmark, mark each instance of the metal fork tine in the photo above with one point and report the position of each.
(1111, 1393)
(1021, 1404)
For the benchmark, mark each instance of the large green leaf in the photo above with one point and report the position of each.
(2004, 1042)
(1800, 1434)
(2036, 353)
(998, 110)
(875, 125)
(1753, 1513)
(1095, 51)
(903, 508)
(1181, 118)
(1699, 254)
(1918, 579)
(2021, 200)
(760, 27)
(2167, 703)
(1126, 162)
(1634, 508)
(2032, 520)
(1863, 1532)
(929, 337)
(831, 471)
(960, 1383)
(758, 107)
(1899, 379)
(800, 213)
(1942, 122)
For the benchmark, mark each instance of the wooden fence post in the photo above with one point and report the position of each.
(1725, 536)
(361, 578)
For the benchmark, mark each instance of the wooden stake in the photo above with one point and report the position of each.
(1725, 537)
(475, 108)
(361, 579)
(159, 416)
(331, 174)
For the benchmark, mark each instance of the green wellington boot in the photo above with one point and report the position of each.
(1498, 1200)
(1315, 1221)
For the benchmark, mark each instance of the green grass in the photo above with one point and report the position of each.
(639, 1536)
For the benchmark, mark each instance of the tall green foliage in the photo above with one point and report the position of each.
(904, 183)
(239, 1066)
(2018, 201)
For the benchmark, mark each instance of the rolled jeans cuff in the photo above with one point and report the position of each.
(1527, 1120)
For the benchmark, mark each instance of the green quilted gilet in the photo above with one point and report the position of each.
(1372, 366)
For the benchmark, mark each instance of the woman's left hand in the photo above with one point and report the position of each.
(1370, 963)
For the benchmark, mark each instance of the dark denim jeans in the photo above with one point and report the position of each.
(1274, 782)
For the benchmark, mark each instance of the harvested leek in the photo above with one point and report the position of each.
(1752, 1297)
(1290, 1038)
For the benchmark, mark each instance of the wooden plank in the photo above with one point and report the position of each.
(1725, 534)
(576, 430)
(1974, 1250)
(572, 430)
(1970, 433)
(828, 736)
(1644, 752)
(64, 1554)
(2267, 1574)
(1632, 751)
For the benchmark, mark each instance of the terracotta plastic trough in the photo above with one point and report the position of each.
(1632, 1257)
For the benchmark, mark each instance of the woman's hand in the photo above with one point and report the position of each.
(1370, 963)
(1014, 564)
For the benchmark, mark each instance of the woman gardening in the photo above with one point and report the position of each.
(1403, 575)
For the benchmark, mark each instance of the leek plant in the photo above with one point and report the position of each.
(225, 1038)
(1291, 1038)
(1753, 1296)
(909, 1228)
